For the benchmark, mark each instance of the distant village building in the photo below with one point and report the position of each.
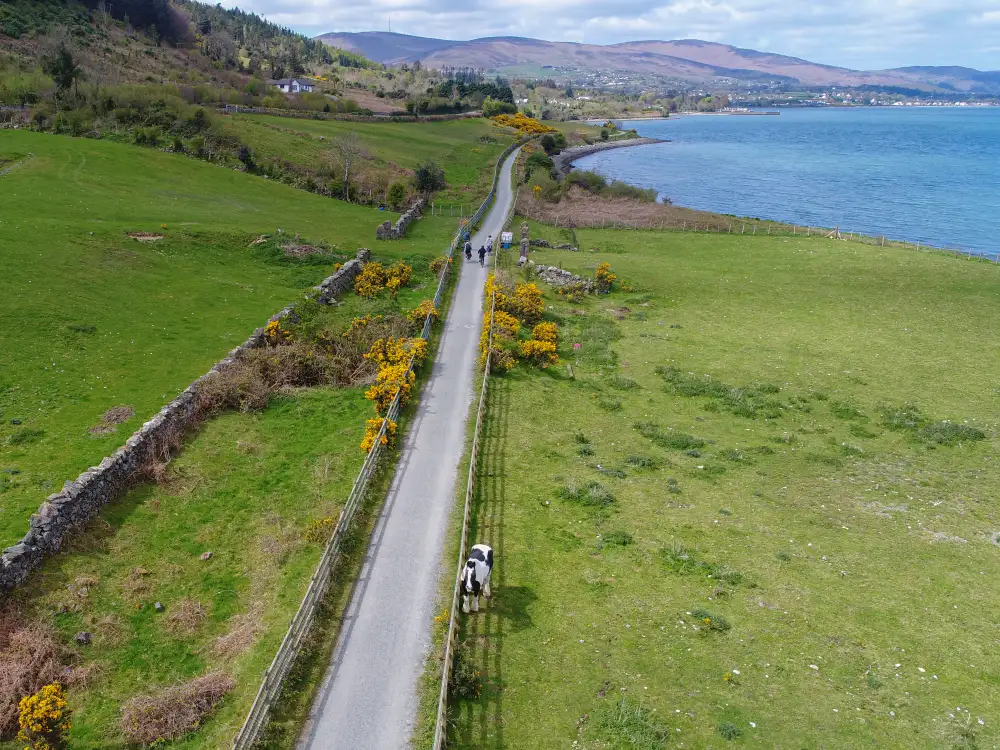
(294, 85)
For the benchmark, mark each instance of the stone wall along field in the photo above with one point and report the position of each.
(389, 231)
(155, 442)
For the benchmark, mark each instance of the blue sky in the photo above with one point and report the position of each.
(863, 34)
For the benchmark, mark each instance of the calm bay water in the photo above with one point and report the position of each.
(917, 174)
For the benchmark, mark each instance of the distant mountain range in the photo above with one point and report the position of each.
(685, 59)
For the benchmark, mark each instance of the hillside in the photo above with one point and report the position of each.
(687, 59)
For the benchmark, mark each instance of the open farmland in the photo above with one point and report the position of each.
(761, 511)
(259, 491)
(465, 149)
(95, 319)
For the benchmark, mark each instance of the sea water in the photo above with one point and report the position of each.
(927, 174)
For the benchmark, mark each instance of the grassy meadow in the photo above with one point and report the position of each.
(465, 149)
(95, 319)
(760, 511)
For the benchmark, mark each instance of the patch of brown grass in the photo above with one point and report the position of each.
(136, 585)
(243, 631)
(580, 208)
(172, 713)
(186, 617)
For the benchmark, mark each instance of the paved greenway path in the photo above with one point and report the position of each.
(369, 697)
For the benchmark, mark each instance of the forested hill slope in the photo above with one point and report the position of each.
(205, 37)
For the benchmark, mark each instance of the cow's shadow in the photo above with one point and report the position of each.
(511, 605)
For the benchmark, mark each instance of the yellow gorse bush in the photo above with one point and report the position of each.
(275, 333)
(372, 429)
(541, 353)
(43, 719)
(605, 278)
(546, 332)
(419, 314)
(392, 355)
(359, 323)
(527, 125)
(374, 277)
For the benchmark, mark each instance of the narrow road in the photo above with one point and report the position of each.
(369, 697)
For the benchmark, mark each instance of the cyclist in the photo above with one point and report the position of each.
(468, 250)
(482, 255)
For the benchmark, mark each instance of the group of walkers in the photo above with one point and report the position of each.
(484, 250)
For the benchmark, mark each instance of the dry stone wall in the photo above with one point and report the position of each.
(155, 442)
(389, 231)
(560, 277)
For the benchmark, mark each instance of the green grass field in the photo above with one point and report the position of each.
(94, 319)
(98, 320)
(744, 520)
(454, 145)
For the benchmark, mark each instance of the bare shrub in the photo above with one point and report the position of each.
(30, 658)
(186, 617)
(174, 712)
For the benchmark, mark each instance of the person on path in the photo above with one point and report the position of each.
(489, 243)
(468, 250)
(482, 256)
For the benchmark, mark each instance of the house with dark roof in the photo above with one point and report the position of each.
(294, 85)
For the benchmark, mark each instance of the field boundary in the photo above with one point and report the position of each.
(765, 227)
(273, 681)
(441, 725)
(159, 439)
(306, 114)
(12, 167)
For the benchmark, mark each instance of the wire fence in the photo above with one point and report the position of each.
(755, 227)
(274, 678)
(441, 724)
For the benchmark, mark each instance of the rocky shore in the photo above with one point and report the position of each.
(564, 161)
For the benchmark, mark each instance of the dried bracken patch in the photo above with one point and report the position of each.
(243, 631)
(30, 659)
(186, 617)
(118, 414)
(111, 419)
(174, 712)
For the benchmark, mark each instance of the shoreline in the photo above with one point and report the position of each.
(564, 161)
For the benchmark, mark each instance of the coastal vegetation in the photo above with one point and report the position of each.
(755, 483)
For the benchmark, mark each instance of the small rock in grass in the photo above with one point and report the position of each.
(83, 638)
(158, 607)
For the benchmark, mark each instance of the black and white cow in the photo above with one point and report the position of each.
(476, 576)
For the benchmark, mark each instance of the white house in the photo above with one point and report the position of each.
(294, 85)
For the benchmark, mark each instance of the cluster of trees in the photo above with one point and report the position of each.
(464, 90)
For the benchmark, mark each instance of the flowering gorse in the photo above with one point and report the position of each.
(372, 429)
(392, 355)
(419, 314)
(43, 719)
(276, 334)
(374, 277)
(605, 279)
(527, 125)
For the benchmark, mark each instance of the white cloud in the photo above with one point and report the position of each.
(853, 33)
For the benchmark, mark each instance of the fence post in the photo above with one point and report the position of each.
(743, 228)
